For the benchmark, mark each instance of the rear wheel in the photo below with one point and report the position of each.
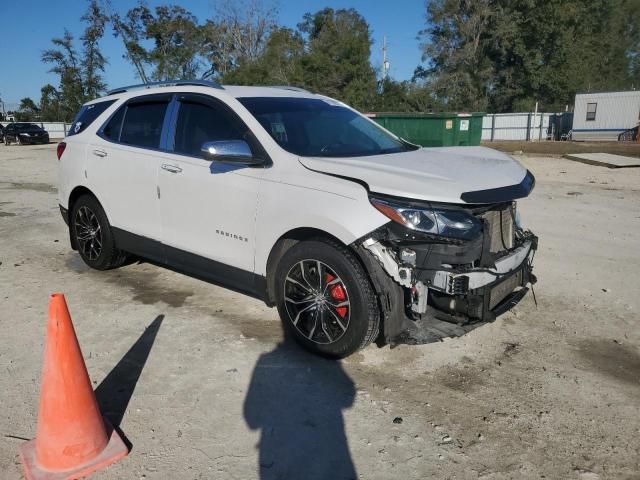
(92, 234)
(325, 299)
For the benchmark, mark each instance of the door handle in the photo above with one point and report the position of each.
(171, 168)
(100, 153)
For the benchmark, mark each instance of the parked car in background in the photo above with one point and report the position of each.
(25, 134)
(1, 133)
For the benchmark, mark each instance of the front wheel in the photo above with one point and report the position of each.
(325, 299)
(92, 235)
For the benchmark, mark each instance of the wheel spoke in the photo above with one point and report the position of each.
(315, 324)
(305, 309)
(303, 276)
(294, 281)
(337, 318)
(332, 282)
(324, 327)
(299, 302)
(319, 267)
(344, 303)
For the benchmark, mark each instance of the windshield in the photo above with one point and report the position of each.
(313, 127)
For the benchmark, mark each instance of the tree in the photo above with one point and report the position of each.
(176, 41)
(131, 32)
(27, 110)
(50, 104)
(67, 65)
(454, 48)
(279, 63)
(406, 96)
(336, 62)
(93, 60)
(506, 55)
(80, 75)
(237, 35)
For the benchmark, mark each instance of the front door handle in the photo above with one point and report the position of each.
(100, 153)
(171, 168)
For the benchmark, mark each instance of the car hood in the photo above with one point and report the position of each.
(447, 174)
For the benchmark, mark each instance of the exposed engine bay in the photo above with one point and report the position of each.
(458, 264)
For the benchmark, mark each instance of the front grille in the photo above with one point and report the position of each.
(500, 225)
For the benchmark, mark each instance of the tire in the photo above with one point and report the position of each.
(334, 318)
(92, 234)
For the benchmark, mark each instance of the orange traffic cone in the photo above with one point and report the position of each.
(72, 439)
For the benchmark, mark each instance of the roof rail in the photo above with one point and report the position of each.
(168, 83)
(288, 87)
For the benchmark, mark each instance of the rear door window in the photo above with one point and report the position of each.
(142, 126)
(87, 115)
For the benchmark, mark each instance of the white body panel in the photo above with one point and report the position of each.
(209, 209)
(435, 174)
(125, 181)
(293, 197)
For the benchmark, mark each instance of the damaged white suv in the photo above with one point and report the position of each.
(296, 199)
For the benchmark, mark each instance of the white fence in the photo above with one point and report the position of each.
(515, 126)
(55, 129)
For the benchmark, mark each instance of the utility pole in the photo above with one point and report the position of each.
(385, 62)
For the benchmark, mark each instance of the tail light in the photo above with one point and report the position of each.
(60, 149)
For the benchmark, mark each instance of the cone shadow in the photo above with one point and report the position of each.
(115, 391)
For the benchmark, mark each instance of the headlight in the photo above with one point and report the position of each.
(446, 221)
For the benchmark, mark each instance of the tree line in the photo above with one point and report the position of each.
(478, 55)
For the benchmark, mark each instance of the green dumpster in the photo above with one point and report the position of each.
(433, 129)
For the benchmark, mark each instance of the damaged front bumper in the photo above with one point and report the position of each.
(461, 283)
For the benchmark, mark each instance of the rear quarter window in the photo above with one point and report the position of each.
(87, 115)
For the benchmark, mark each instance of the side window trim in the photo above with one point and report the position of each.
(168, 136)
(125, 105)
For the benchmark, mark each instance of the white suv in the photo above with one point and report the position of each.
(298, 200)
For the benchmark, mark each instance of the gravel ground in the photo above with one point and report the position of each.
(202, 385)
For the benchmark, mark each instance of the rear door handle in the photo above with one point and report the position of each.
(100, 153)
(171, 168)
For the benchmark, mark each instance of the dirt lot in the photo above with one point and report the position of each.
(563, 148)
(200, 383)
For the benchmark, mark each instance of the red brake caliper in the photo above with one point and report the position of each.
(337, 293)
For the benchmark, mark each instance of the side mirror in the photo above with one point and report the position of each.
(229, 151)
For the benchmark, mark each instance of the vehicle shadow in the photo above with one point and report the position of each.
(115, 391)
(296, 400)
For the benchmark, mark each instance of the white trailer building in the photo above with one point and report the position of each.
(604, 116)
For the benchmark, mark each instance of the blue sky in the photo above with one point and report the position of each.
(27, 29)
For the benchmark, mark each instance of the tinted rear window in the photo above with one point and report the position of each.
(86, 116)
(143, 124)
